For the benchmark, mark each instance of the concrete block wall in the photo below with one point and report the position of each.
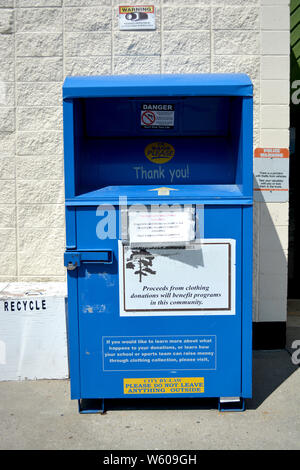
(272, 234)
(42, 41)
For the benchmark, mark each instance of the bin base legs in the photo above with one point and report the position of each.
(87, 406)
(93, 405)
(236, 405)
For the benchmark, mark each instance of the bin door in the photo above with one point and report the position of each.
(100, 321)
(98, 306)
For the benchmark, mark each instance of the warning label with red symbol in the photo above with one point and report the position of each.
(157, 116)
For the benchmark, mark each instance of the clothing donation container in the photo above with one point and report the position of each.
(158, 186)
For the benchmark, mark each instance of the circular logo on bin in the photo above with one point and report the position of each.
(159, 152)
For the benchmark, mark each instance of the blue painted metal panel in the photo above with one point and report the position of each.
(212, 136)
(159, 85)
(180, 194)
(99, 319)
(73, 335)
(246, 146)
(199, 115)
(70, 228)
(247, 302)
(209, 162)
(69, 148)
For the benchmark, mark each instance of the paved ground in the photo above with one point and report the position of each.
(40, 415)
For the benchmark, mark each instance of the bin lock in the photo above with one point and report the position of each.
(71, 266)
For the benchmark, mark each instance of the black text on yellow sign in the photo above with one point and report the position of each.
(138, 9)
(163, 385)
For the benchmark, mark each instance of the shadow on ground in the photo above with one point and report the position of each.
(270, 370)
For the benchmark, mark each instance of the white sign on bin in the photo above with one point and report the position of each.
(198, 279)
(162, 226)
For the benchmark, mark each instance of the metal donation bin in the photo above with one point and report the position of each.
(158, 181)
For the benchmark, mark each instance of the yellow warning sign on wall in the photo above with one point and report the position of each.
(135, 9)
(162, 385)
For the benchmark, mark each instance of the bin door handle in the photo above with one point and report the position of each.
(103, 256)
(73, 259)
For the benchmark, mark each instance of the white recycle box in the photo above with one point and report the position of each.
(33, 339)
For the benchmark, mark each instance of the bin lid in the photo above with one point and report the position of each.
(212, 84)
(178, 194)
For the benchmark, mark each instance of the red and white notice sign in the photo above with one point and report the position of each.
(271, 174)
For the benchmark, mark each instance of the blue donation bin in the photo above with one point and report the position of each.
(158, 185)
